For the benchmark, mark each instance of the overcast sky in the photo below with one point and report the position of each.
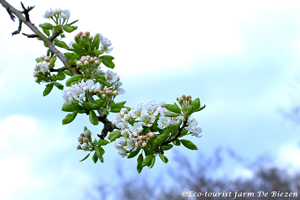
(241, 58)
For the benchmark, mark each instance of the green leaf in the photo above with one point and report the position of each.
(196, 103)
(139, 163)
(190, 110)
(108, 63)
(69, 55)
(176, 142)
(57, 27)
(95, 157)
(72, 79)
(48, 89)
(93, 117)
(103, 142)
(95, 43)
(60, 76)
(61, 44)
(59, 86)
(161, 138)
(46, 26)
(172, 115)
(163, 158)
(68, 108)
(69, 29)
(201, 108)
(118, 105)
(77, 48)
(152, 162)
(117, 135)
(173, 108)
(67, 72)
(39, 60)
(183, 133)
(85, 157)
(188, 144)
(134, 153)
(147, 160)
(113, 134)
(73, 22)
(69, 118)
(115, 110)
(46, 31)
(166, 147)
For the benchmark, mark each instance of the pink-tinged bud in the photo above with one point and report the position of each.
(82, 135)
(46, 58)
(43, 56)
(108, 92)
(151, 134)
(102, 71)
(87, 57)
(103, 95)
(90, 37)
(140, 137)
(92, 59)
(96, 61)
(78, 63)
(144, 144)
(79, 138)
(86, 62)
(140, 142)
(80, 33)
(95, 57)
(115, 93)
(83, 35)
(35, 73)
(144, 137)
(78, 147)
(82, 60)
(84, 140)
(148, 139)
(87, 33)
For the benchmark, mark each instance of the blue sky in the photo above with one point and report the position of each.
(240, 58)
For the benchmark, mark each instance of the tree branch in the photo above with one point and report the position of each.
(11, 10)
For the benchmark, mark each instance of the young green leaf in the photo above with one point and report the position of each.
(93, 117)
(163, 158)
(59, 86)
(48, 89)
(60, 76)
(196, 103)
(166, 147)
(139, 163)
(103, 142)
(46, 26)
(69, 118)
(152, 162)
(147, 160)
(95, 157)
(134, 153)
(173, 108)
(85, 157)
(188, 144)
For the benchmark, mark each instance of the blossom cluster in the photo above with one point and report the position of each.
(83, 140)
(78, 91)
(42, 66)
(65, 14)
(143, 116)
(105, 43)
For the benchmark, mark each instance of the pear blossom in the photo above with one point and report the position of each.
(147, 120)
(65, 14)
(163, 122)
(105, 43)
(48, 14)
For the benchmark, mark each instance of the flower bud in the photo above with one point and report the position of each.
(151, 134)
(78, 147)
(144, 144)
(87, 132)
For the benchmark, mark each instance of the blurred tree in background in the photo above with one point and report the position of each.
(201, 176)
